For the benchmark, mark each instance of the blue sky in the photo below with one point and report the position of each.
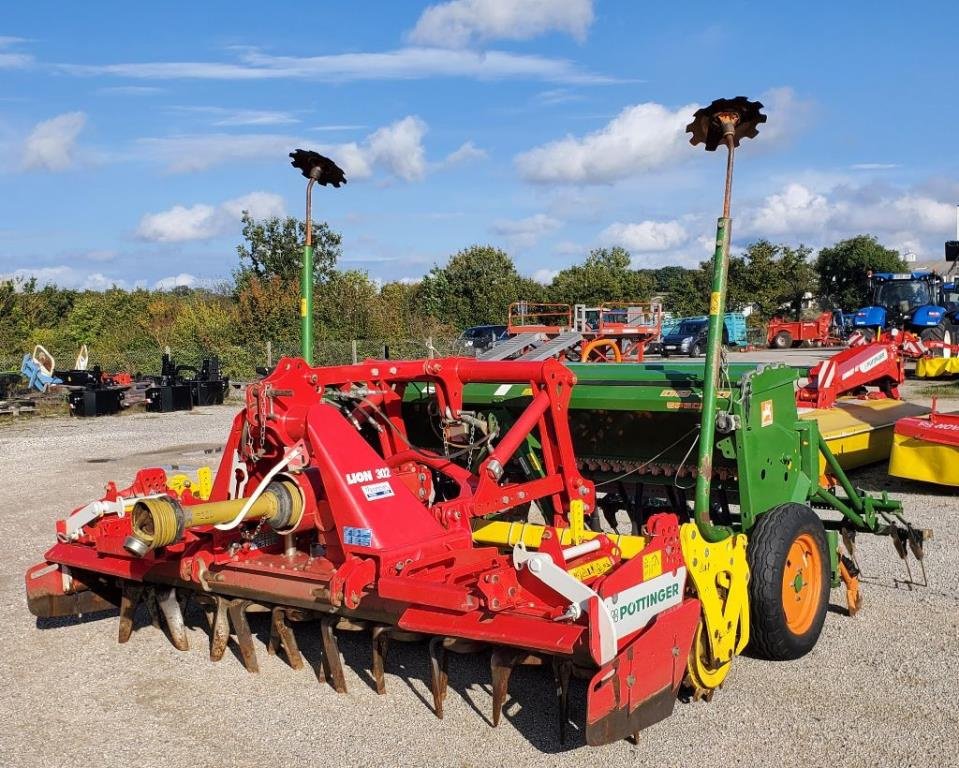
(132, 135)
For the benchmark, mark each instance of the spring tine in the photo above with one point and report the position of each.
(439, 676)
(219, 629)
(561, 672)
(332, 666)
(129, 600)
(170, 608)
(849, 542)
(281, 635)
(381, 645)
(244, 638)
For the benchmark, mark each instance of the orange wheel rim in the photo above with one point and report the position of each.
(802, 583)
(601, 351)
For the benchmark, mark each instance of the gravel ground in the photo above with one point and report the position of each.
(879, 689)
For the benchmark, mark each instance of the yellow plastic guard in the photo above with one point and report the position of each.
(859, 432)
(505, 534)
(924, 461)
(720, 573)
(937, 367)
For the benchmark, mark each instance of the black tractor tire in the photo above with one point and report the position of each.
(782, 340)
(768, 552)
(941, 333)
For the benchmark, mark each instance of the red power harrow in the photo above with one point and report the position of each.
(324, 509)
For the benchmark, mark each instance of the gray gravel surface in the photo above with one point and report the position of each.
(879, 689)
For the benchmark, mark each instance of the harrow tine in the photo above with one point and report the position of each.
(381, 645)
(900, 539)
(281, 636)
(150, 598)
(130, 598)
(440, 648)
(219, 628)
(169, 606)
(916, 540)
(562, 670)
(332, 665)
(849, 542)
(439, 673)
(244, 638)
(502, 661)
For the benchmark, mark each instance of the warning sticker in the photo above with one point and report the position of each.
(591, 569)
(357, 537)
(766, 413)
(652, 564)
(715, 302)
(375, 491)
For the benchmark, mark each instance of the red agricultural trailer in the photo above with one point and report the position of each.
(782, 334)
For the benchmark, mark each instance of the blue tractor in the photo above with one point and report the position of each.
(911, 301)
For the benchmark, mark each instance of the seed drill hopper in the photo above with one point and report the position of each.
(471, 505)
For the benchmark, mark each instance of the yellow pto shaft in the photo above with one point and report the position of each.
(161, 521)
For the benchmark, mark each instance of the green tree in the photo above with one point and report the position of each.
(274, 247)
(842, 270)
(475, 287)
(604, 277)
(770, 278)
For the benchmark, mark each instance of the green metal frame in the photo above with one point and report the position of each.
(628, 413)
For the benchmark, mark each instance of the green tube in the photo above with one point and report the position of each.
(306, 305)
(707, 429)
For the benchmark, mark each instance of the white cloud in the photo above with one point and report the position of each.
(261, 205)
(396, 148)
(66, 277)
(873, 166)
(201, 222)
(787, 115)
(183, 280)
(232, 117)
(795, 209)
(51, 144)
(400, 64)
(463, 154)
(11, 59)
(544, 276)
(179, 224)
(131, 90)
(906, 219)
(645, 236)
(256, 117)
(525, 233)
(197, 152)
(461, 22)
(399, 147)
(642, 138)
